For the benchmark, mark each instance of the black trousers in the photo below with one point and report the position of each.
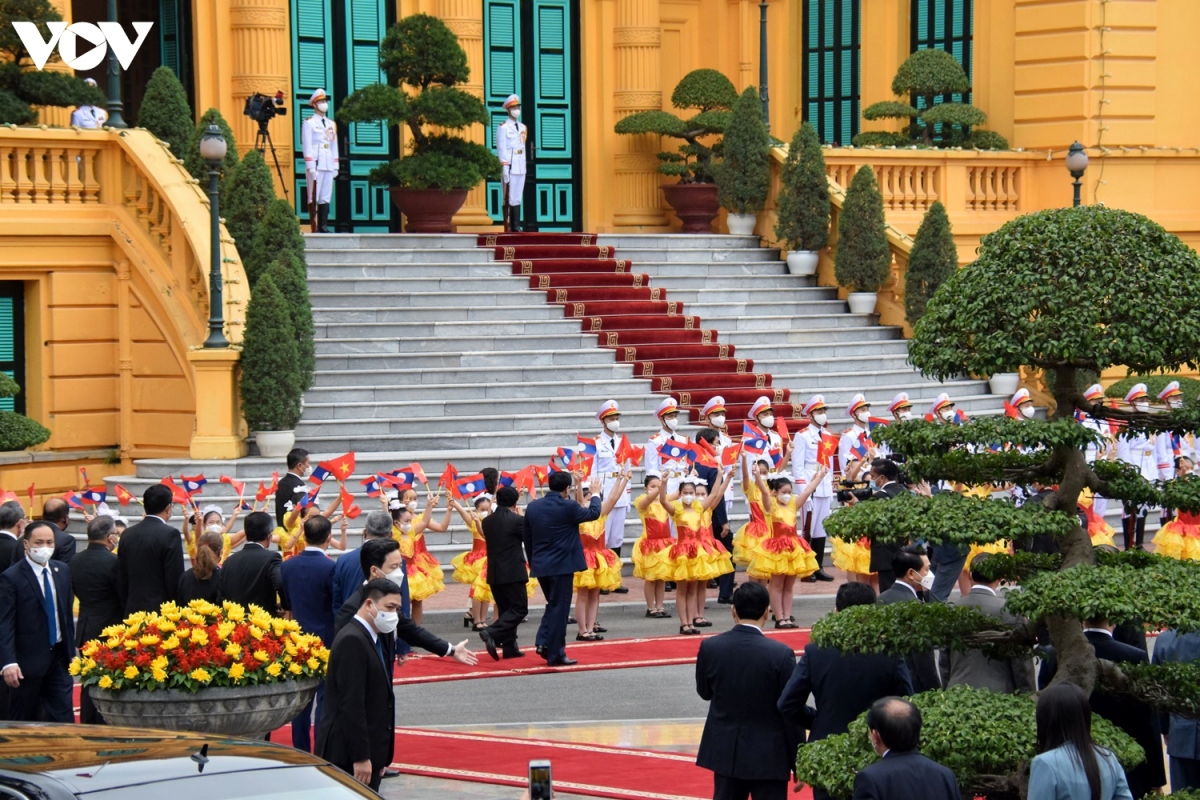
(512, 603)
(726, 582)
(45, 697)
(727, 788)
(88, 715)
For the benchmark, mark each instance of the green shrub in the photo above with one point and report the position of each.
(8, 387)
(278, 233)
(196, 165)
(745, 175)
(863, 260)
(20, 89)
(934, 258)
(19, 432)
(1154, 385)
(270, 388)
(803, 211)
(165, 111)
(986, 140)
(929, 73)
(248, 191)
(881, 139)
(290, 277)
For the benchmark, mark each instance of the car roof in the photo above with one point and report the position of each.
(91, 758)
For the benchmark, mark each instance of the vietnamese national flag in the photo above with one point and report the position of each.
(526, 479)
(448, 477)
(781, 426)
(730, 455)
(468, 486)
(372, 484)
(274, 487)
(262, 493)
(825, 450)
(706, 456)
(341, 468)
(32, 488)
(238, 486)
(7, 495)
(580, 461)
(347, 499)
(418, 473)
(353, 512)
(83, 474)
(178, 493)
(123, 495)
(1010, 411)
(542, 474)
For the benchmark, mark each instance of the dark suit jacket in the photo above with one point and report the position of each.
(881, 553)
(94, 581)
(844, 686)
(192, 588)
(11, 551)
(286, 493)
(906, 776)
(64, 545)
(358, 713)
(150, 561)
(921, 666)
(24, 634)
(552, 534)
(254, 575)
(407, 631)
(308, 584)
(504, 532)
(348, 578)
(1171, 647)
(742, 672)
(720, 517)
(973, 668)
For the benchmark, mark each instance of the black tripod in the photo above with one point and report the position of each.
(262, 141)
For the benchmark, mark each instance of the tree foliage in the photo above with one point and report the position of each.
(270, 387)
(278, 233)
(17, 432)
(933, 259)
(744, 178)
(1154, 384)
(20, 90)
(802, 213)
(165, 111)
(863, 261)
(196, 165)
(248, 191)
(291, 278)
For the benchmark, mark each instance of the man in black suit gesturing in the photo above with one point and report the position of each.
(150, 559)
(901, 773)
(358, 720)
(58, 514)
(504, 532)
(747, 743)
(253, 575)
(94, 581)
(913, 580)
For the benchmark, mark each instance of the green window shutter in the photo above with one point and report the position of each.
(168, 34)
(830, 65)
(947, 25)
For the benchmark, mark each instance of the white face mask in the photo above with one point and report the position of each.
(483, 513)
(613, 425)
(785, 498)
(819, 418)
(671, 422)
(862, 415)
(1141, 407)
(386, 621)
(396, 576)
(411, 505)
(927, 581)
(406, 527)
(717, 420)
(767, 421)
(215, 529)
(946, 414)
(515, 113)
(41, 555)
(1027, 411)
(322, 106)
(1175, 404)
(687, 499)
(905, 416)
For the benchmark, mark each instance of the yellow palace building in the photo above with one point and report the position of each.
(103, 300)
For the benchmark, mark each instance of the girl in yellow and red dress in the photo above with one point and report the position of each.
(854, 558)
(603, 565)
(784, 556)
(468, 565)
(291, 534)
(651, 552)
(1180, 537)
(691, 565)
(211, 520)
(715, 555)
(1100, 532)
(745, 541)
(425, 575)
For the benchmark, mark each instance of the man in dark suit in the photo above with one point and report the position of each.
(12, 525)
(901, 773)
(348, 576)
(843, 686)
(37, 631)
(308, 584)
(885, 475)
(749, 746)
(1136, 718)
(1183, 739)
(254, 575)
(94, 582)
(913, 578)
(150, 559)
(504, 532)
(973, 668)
(291, 486)
(555, 555)
(58, 514)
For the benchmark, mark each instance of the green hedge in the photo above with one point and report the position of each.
(270, 389)
(165, 111)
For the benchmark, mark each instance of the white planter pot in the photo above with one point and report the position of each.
(741, 224)
(862, 302)
(802, 262)
(1005, 383)
(274, 444)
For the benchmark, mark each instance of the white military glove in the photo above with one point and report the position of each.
(504, 171)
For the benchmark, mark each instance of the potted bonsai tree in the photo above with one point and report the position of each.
(803, 206)
(863, 260)
(711, 95)
(424, 63)
(271, 380)
(744, 177)
(20, 89)
(18, 432)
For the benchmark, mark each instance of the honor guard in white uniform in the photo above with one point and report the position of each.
(606, 468)
(511, 147)
(714, 417)
(318, 137)
(669, 471)
(901, 410)
(806, 446)
(859, 411)
(1137, 449)
(93, 117)
(1022, 402)
(1172, 397)
(1106, 452)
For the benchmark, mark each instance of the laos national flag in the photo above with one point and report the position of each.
(561, 460)
(875, 422)
(1080, 417)
(672, 450)
(372, 486)
(401, 478)
(319, 474)
(468, 486)
(309, 498)
(755, 444)
(960, 416)
(776, 457)
(1176, 445)
(859, 448)
(507, 479)
(73, 499)
(92, 496)
(586, 446)
(194, 484)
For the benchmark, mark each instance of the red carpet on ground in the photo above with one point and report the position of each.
(658, 651)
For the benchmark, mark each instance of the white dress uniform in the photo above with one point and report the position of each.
(318, 137)
(804, 467)
(605, 466)
(847, 441)
(91, 117)
(511, 146)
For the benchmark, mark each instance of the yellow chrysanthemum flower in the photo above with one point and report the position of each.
(90, 648)
(274, 669)
(257, 632)
(149, 640)
(199, 637)
(194, 618)
(74, 667)
(225, 629)
(171, 643)
(237, 672)
(160, 662)
(105, 682)
(233, 650)
(159, 675)
(261, 655)
(131, 672)
(184, 633)
(291, 649)
(295, 669)
(113, 630)
(112, 643)
(201, 675)
(165, 626)
(131, 644)
(89, 664)
(313, 663)
(234, 612)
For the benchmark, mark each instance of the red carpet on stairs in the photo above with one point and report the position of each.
(638, 320)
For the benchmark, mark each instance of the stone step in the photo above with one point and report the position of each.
(637, 425)
(799, 360)
(389, 323)
(349, 403)
(825, 351)
(448, 257)
(389, 241)
(473, 359)
(376, 309)
(858, 329)
(673, 241)
(483, 390)
(696, 255)
(737, 291)
(780, 304)
(383, 266)
(782, 324)
(480, 341)
(431, 377)
(386, 292)
(766, 280)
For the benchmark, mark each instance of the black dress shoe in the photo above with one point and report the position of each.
(669, 586)
(725, 601)
(570, 620)
(821, 575)
(539, 650)
(490, 644)
(809, 579)
(562, 662)
(621, 590)
(513, 654)
(391, 772)
(712, 584)
(605, 591)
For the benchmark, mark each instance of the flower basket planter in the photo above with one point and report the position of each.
(695, 204)
(250, 711)
(428, 210)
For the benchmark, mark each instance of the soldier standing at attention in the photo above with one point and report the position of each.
(92, 117)
(319, 142)
(510, 147)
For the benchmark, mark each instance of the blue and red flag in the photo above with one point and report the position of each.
(468, 486)
(1080, 417)
(1176, 445)
(586, 446)
(672, 450)
(309, 498)
(73, 499)
(192, 485)
(859, 448)
(319, 474)
(960, 416)
(776, 456)
(372, 486)
(507, 479)
(561, 460)
(93, 496)
(873, 423)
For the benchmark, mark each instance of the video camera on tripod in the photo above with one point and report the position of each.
(262, 109)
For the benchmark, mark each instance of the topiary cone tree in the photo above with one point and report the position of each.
(277, 233)
(933, 259)
(744, 178)
(270, 388)
(165, 112)
(1041, 294)
(196, 165)
(248, 191)
(802, 215)
(863, 261)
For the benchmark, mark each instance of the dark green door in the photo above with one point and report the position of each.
(532, 48)
(12, 341)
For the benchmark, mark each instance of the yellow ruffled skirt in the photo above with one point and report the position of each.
(604, 574)
(747, 539)
(652, 558)
(481, 591)
(783, 555)
(691, 560)
(423, 584)
(467, 565)
(1179, 538)
(852, 556)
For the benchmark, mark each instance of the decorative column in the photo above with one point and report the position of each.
(261, 49)
(465, 19)
(219, 433)
(637, 41)
(125, 360)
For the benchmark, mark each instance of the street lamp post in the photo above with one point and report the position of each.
(114, 106)
(1077, 164)
(212, 150)
(762, 62)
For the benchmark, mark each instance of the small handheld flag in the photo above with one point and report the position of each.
(238, 487)
(672, 450)
(1010, 411)
(73, 500)
(309, 498)
(468, 486)
(178, 493)
(193, 485)
(730, 455)
(586, 446)
(561, 460)
(346, 499)
(245, 506)
(960, 416)
(341, 468)
(753, 443)
(92, 496)
(859, 449)
(776, 456)
(875, 422)
(826, 449)
(319, 474)
(542, 474)
(372, 486)
(507, 479)
(83, 474)
(418, 473)
(353, 512)
(781, 426)
(448, 476)
(123, 495)
(706, 455)
(262, 493)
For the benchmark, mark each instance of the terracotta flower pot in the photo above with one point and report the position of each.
(428, 210)
(695, 204)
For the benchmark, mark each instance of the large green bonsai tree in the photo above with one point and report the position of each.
(21, 89)
(933, 259)
(17, 431)
(744, 179)
(803, 212)
(165, 111)
(863, 261)
(1040, 294)
(712, 96)
(925, 76)
(424, 64)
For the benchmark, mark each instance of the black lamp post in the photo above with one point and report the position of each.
(1077, 164)
(762, 62)
(114, 106)
(212, 150)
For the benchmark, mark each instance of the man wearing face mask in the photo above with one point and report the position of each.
(511, 145)
(901, 410)
(1168, 446)
(1137, 449)
(318, 136)
(94, 582)
(356, 732)
(671, 471)
(291, 486)
(806, 445)
(37, 631)
(857, 435)
(605, 467)
(902, 773)
(943, 409)
(913, 580)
